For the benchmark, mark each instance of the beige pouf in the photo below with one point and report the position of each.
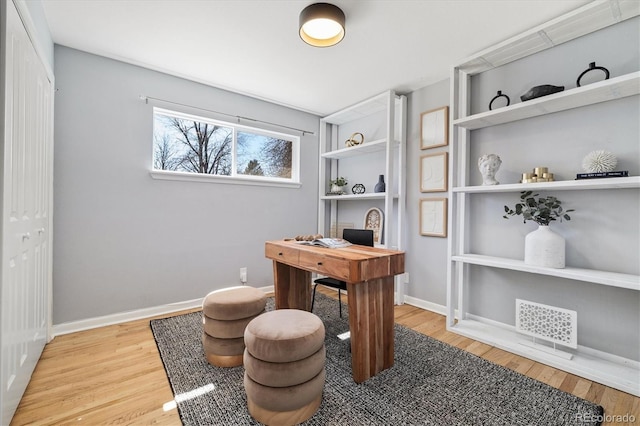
(284, 363)
(225, 314)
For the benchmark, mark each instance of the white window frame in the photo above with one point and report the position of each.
(234, 178)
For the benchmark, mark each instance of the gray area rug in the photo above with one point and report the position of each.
(431, 383)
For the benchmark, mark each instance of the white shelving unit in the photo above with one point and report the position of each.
(617, 372)
(382, 120)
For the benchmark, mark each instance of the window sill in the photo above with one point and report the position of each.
(233, 180)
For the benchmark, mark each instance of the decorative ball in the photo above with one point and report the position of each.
(358, 188)
(599, 161)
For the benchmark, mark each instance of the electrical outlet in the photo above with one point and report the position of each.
(243, 275)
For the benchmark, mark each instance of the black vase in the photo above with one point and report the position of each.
(380, 186)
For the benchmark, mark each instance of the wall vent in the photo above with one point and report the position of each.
(549, 323)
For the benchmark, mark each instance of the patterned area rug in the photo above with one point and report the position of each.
(431, 383)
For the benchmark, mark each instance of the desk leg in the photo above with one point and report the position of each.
(371, 322)
(292, 287)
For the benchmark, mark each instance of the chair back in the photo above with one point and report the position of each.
(363, 237)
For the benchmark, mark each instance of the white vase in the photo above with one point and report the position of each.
(336, 188)
(543, 247)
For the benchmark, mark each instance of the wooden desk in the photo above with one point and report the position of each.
(369, 273)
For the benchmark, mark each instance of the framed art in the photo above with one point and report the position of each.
(433, 172)
(434, 128)
(374, 219)
(433, 217)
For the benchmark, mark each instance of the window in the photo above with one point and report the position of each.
(191, 147)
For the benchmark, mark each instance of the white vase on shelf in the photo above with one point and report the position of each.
(543, 247)
(336, 188)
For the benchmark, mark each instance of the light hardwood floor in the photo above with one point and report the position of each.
(114, 375)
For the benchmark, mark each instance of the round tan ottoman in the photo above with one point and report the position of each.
(284, 361)
(225, 314)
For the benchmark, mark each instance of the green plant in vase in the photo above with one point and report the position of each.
(338, 184)
(341, 181)
(542, 247)
(542, 211)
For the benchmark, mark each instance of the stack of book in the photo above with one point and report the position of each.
(624, 173)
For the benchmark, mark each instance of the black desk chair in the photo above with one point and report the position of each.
(363, 237)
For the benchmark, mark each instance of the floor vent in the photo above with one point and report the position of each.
(548, 323)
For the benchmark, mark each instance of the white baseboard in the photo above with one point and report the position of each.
(427, 306)
(118, 318)
(96, 322)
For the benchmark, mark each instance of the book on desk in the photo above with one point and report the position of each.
(327, 242)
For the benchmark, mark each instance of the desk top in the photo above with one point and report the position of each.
(351, 264)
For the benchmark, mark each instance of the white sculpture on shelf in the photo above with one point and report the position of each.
(599, 161)
(489, 165)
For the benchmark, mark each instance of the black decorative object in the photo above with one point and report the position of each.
(380, 186)
(539, 91)
(592, 66)
(358, 188)
(498, 96)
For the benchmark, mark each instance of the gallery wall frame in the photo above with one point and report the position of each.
(434, 170)
(433, 217)
(434, 128)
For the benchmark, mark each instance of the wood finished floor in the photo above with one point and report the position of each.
(114, 375)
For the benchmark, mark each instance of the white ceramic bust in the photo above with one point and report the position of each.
(489, 165)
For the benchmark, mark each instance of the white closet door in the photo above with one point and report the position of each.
(26, 200)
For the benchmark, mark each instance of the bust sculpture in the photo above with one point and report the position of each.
(489, 165)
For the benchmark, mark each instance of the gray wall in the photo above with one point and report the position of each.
(603, 233)
(124, 241)
(426, 258)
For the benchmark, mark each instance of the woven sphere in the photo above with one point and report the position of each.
(599, 161)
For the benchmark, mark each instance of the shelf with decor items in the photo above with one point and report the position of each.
(358, 197)
(362, 143)
(602, 91)
(470, 260)
(364, 148)
(563, 185)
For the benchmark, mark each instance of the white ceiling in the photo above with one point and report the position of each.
(252, 46)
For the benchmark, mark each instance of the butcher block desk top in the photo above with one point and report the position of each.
(351, 264)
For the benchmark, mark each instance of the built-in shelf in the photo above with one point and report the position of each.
(617, 372)
(597, 365)
(365, 196)
(602, 91)
(360, 110)
(613, 279)
(585, 20)
(354, 151)
(382, 121)
(566, 185)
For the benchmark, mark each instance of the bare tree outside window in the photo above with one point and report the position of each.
(185, 143)
(272, 154)
(191, 146)
(164, 153)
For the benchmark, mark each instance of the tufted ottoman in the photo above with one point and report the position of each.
(284, 366)
(225, 314)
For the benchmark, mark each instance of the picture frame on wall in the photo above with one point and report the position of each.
(434, 170)
(434, 128)
(433, 217)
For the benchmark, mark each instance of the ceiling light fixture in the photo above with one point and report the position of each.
(322, 24)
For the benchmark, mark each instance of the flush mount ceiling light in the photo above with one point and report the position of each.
(322, 24)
